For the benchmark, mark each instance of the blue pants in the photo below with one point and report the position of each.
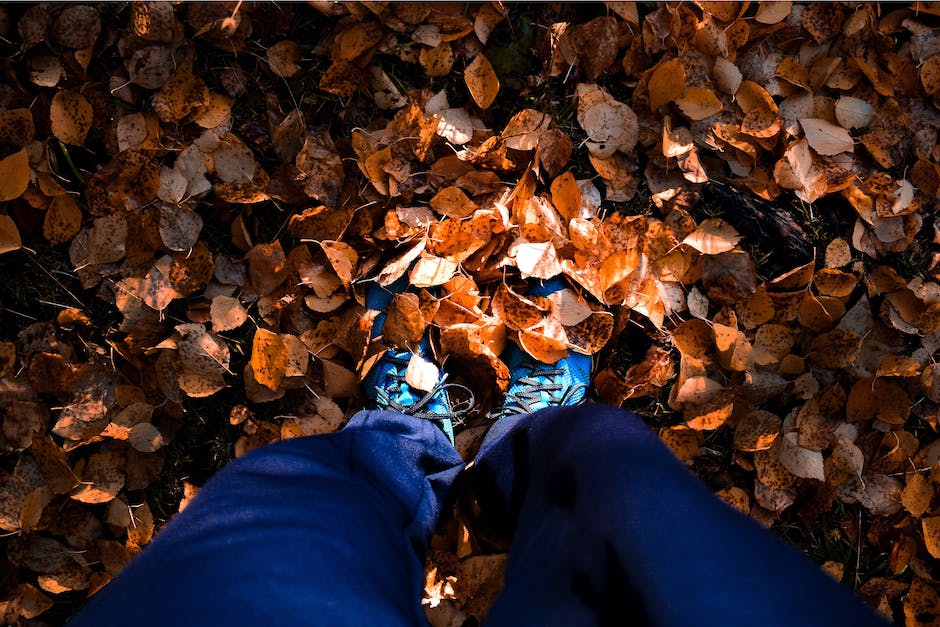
(607, 527)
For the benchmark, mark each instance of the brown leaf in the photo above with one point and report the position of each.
(682, 441)
(267, 267)
(343, 258)
(566, 196)
(836, 349)
(437, 61)
(9, 234)
(757, 431)
(917, 495)
(202, 352)
(70, 115)
(825, 137)
(773, 12)
(182, 96)
(145, 438)
(16, 127)
(283, 57)
(78, 26)
(14, 175)
(227, 313)
(102, 479)
(543, 348)
(535, 259)
(525, 128)
(921, 604)
(698, 103)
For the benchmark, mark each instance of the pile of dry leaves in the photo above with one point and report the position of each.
(226, 191)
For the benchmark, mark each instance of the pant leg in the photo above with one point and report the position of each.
(608, 527)
(325, 530)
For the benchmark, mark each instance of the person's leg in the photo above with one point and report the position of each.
(607, 527)
(326, 530)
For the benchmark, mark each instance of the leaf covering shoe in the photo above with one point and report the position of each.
(386, 385)
(535, 385)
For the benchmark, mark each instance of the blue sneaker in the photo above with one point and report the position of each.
(385, 386)
(535, 385)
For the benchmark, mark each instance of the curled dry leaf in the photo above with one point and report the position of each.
(713, 237)
(421, 374)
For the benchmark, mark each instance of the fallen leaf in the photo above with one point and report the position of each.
(712, 237)
(535, 259)
(421, 374)
(283, 57)
(14, 175)
(145, 438)
(825, 137)
(71, 116)
(482, 82)
(268, 358)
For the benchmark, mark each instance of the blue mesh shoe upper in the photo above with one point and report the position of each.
(535, 385)
(385, 386)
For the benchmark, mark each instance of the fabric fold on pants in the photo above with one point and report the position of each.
(323, 530)
(607, 528)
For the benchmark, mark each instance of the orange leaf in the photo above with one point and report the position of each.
(481, 81)
(545, 349)
(268, 358)
(667, 83)
(453, 203)
(566, 196)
